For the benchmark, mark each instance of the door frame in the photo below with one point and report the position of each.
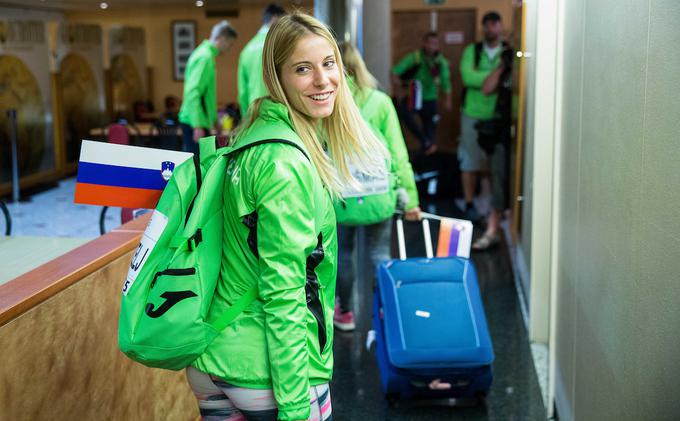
(546, 182)
(434, 16)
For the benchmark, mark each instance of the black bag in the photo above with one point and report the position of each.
(497, 130)
(489, 133)
(410, 73)
(436, 177)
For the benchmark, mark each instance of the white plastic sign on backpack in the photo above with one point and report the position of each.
(370, 184)
(150, 237)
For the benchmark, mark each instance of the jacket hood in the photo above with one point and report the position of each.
(271, 110)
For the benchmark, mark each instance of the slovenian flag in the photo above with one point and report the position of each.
(122, 175)
(455, 238)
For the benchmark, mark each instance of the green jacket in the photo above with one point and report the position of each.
(279, 233)
(378, 111)
(250, 82)
(199, 106)
(430, 84)
(477, 105)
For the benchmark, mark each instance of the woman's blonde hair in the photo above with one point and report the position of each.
(356, 67)
(346, 135)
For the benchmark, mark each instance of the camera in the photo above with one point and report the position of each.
(507, 56)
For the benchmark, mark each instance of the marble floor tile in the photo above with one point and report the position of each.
(53, 213)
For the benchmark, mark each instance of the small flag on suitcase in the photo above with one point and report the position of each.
(122, 175)
(455, 238)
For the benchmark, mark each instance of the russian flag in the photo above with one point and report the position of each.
(455, 238)
(123, 175)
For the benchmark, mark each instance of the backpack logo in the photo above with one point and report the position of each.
(167, 167)
(171, 298)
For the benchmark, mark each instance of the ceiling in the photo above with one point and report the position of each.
(84, 5)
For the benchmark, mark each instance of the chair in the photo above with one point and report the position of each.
(118, 134)
(168, 134)
(8, 218)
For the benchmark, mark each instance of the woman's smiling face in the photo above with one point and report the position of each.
(310, 77)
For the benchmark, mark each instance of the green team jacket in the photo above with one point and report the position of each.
(199, 106)
(279, 233)
(477, 105)
(250, 82)
(429, 83)
(378, 111)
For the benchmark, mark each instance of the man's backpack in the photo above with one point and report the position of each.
(175, 269)
(410, 73)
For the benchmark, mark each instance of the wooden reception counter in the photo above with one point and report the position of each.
(58, 342)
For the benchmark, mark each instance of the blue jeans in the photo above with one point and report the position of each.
(378, 241)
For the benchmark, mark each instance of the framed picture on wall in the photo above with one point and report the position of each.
(183, 43)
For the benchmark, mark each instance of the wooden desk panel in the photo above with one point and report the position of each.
(29, 289)
(59, 342)
(61, 361)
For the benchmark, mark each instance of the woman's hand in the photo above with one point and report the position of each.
(413, 214)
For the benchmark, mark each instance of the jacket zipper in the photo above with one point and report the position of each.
(313, 291)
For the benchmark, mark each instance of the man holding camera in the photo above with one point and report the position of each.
(486, 71)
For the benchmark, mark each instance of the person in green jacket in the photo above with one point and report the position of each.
(250, 83)
(275, 360)
(198, 113)
(373, 206)
(425, 71)
(485, 70)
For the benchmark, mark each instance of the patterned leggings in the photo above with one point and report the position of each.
(221, 401)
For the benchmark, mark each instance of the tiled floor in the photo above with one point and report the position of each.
(52, 213)
(46, 226)
(515, 393)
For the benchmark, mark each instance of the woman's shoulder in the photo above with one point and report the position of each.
(376, 102)
(381, 97)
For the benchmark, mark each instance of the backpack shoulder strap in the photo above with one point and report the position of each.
(265, 141)
(237, 308)
(478, 53)
(246, 299)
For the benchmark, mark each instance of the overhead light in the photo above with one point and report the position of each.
(199, 3)
(104, 5)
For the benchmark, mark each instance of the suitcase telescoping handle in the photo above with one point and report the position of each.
(426, 236)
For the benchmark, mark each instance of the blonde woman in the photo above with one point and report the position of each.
(275, 360)
(373, 208)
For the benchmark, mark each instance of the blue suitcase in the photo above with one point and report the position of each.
(431, 336)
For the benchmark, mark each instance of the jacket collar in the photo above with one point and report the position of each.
(209, 45)
(274, 111)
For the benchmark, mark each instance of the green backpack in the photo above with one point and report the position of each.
(175, 269)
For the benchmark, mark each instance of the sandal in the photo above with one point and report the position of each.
(486, 242)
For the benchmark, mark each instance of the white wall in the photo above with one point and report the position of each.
(617, 327)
